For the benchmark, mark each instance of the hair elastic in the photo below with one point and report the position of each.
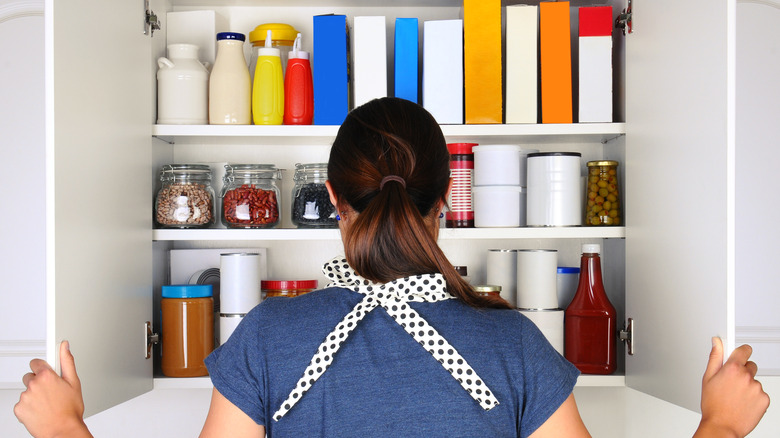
(392, 178)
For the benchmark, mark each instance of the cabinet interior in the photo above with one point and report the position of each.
(302, 257)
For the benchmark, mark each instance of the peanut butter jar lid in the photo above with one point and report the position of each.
(187, 291)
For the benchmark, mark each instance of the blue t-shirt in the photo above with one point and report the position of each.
(382, 382)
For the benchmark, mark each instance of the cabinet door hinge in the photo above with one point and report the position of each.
(627, 336)
(150, 338)
(151, 23)
(623, 21)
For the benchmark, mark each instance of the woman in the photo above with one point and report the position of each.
(397, 343)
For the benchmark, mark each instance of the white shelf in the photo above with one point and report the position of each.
(221, 234)
(205, 382)
(324, 134)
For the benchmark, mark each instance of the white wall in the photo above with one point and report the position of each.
(22, 197)
(758, 180)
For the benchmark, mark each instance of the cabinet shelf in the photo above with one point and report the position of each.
(216, 234)
(318, 134)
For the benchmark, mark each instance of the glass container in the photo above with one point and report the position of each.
(311, 206)
(185, 199)
(250, 196)
(603, 205)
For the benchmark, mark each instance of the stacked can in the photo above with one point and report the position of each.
(460, 202)
(500, 185)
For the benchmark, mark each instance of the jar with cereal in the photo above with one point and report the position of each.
(311, 206)
(603, 205)
(250, 196)
(185, 199)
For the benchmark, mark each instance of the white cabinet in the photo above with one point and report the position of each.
(674, 259)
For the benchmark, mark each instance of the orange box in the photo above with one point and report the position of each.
(482, 61)
(555, 60)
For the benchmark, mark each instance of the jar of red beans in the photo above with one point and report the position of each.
(185, 199)
(250, 196)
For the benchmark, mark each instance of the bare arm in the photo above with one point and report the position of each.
(565, 421)
(226, 420)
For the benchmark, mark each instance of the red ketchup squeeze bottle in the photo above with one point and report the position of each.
(298, 90)
(590, 320)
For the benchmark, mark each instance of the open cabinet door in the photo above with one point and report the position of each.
(98, 167)
(679, 192)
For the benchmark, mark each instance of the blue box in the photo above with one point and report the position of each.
(330, 69)
(406, 59)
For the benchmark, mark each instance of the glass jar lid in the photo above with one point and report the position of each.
(264, 171)
(311, 172)
(602, 163)
(486, 288)
(185, 172)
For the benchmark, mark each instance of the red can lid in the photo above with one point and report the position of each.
(288, 284)
(461, 148)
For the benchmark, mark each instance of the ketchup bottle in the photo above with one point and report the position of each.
(590, 320)
(298, 90)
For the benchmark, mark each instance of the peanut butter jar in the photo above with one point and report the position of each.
(187, 329)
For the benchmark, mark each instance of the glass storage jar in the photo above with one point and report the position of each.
(287, 288)
(311, 206)
(250, 196)
(603, 205)
(185, 199)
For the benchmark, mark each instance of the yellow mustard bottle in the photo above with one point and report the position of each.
(268, 87)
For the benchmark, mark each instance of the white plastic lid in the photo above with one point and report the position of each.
(591, 248)
(300, 54)
(268, 51)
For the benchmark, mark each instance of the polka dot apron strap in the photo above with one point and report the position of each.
(393, 297)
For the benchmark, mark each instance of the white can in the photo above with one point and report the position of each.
(500, 165)
(550, 323)
(499, 206)
(537, 271)
(227, 325)
(240, 288)
(502, 271)
(554, 189)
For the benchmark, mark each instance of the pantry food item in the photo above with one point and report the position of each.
(186, 199)
(250, 196)
(311, 206)
(488, 290)
(187, 329)
(287, 288)
(602, 202)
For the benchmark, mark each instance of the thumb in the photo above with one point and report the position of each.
(68, 365)
(716, 358)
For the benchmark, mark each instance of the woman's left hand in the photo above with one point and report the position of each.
(52, 405)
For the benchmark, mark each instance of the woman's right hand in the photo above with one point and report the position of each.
(732, 400)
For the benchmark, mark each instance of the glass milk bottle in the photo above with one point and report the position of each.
(230, 87)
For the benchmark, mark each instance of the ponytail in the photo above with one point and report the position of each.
(389, 163)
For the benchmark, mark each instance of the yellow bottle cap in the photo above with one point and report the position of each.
(279, 32)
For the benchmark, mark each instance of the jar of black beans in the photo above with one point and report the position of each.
(311, 207)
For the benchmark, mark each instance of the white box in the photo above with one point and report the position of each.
(522, 63)
(369, 59)
(196, 27)
(443, 70)
(595, 71)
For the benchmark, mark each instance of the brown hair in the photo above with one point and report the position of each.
(391, 236)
